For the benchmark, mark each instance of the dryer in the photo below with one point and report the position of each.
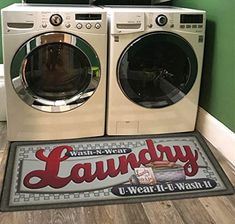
(55, 71)
(155, 64)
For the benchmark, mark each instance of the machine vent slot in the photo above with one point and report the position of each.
(128, 26)
(20, 25)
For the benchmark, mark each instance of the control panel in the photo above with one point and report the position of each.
(167, 21)
(191, 21)
(87, 22)
(133, 22)
(24, 22)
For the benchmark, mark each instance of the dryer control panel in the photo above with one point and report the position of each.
(133, 21)
(190, 22)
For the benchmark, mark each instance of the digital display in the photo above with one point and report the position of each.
(191, 18)
(87, 16)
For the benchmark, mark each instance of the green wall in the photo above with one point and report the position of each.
(218, 81)
(4, 3)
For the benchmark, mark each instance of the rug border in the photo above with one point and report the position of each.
(4, 198)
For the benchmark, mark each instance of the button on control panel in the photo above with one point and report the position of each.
(67, 25)
(79, 26)
(97, 25)
(44, 25)
(88, 26)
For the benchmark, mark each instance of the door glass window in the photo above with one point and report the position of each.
(57, 71)
(157, 70)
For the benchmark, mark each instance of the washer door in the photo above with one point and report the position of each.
(55, 72)
(157, 69)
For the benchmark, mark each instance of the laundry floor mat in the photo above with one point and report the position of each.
(106, 170)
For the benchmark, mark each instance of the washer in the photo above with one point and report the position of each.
(155, 65)
(55, 71)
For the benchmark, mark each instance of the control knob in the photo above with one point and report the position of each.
(161, 20)
(56, 19)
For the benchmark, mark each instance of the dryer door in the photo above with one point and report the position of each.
(55, 72)
(157, 70)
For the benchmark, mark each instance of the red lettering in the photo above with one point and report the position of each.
(191, 166)
(85, 169)
(82, 172)
(151, 152)
(49, 176)
(167, 151)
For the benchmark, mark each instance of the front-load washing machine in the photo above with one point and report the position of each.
(55, 71)
(155, 64)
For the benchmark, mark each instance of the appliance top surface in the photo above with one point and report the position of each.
(47, 7)
(149, 8)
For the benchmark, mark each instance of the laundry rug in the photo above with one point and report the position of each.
(93, 171)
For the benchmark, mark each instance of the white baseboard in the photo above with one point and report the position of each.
(217, 134)
(2, 95)
(1, 70)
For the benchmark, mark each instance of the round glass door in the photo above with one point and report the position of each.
(157, 69)
(55, 72)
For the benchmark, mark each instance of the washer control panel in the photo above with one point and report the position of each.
(63, 19)
(87, 22)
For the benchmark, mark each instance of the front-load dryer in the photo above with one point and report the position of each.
(55, 71)
(155, 64)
